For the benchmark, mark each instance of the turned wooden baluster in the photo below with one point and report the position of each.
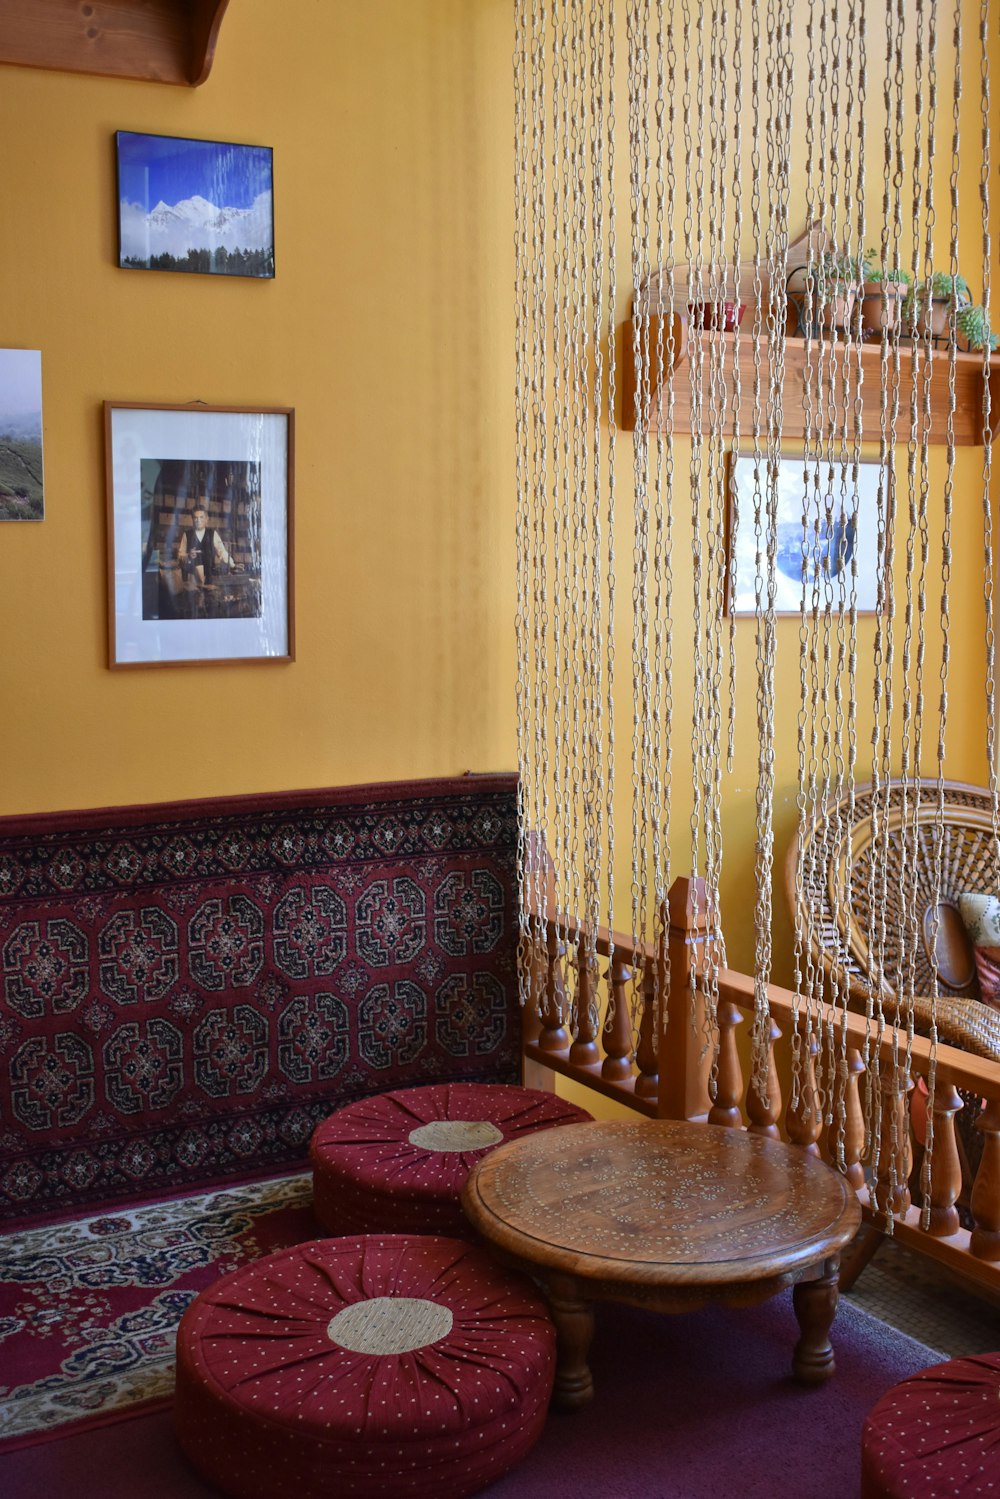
(554, 1035)
(804, 1121)
(854, 1120)
(729, 1083)
(647, 1084)
(946, 1165)
(985, 1201)
(538, 968)
(764, 1113)
(585, 1050)
(895, 1155)
(617, 1065)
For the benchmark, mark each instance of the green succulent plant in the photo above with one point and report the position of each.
(836, 266)
(872, 270)
(974, 326)
(942, 284)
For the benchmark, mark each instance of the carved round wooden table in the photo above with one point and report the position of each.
(670, 1216)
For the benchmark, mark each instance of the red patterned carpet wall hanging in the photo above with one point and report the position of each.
(189, 988)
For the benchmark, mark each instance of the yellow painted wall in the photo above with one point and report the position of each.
(387, 328)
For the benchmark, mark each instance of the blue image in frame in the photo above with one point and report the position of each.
(194, 206)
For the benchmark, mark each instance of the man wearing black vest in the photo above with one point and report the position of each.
(201, 551)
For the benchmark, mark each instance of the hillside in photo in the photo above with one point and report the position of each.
(20, 476)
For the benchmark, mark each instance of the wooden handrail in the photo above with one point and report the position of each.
(957, 1068)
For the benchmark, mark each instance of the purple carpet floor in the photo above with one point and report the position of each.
(687, 1407)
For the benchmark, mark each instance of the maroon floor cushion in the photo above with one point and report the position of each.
(393, 1365)
(397, 1163)
(936, 1433)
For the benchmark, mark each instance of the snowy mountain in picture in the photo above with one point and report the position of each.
(192, 205)
(194, 224)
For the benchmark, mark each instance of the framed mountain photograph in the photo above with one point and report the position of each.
(21, 489)
(197, 206)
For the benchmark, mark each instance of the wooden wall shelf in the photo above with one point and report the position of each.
(968, 388)
(158, 41)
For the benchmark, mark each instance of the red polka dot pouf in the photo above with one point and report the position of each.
(397, 1163)
(936, 1434)
(374, 1366)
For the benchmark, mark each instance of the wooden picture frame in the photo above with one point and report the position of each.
(200, 532)
(846, 561)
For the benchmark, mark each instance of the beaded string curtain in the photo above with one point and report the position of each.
(688, 142)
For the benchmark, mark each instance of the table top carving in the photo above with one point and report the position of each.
(661, 1201)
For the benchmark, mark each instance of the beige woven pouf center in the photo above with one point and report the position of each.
(455, 1135)
(390, 1324)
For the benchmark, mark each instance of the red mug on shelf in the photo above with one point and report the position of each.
(716, 316)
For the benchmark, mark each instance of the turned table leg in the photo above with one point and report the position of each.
(574, 1320)
(815, 1303)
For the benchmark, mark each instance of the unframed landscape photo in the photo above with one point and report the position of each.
(21, 489)
(191, 205)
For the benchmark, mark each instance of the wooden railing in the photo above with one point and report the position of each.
(666, 1075)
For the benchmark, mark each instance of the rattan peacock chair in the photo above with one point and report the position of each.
(835, 848)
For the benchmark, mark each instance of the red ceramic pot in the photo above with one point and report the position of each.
(714, 316)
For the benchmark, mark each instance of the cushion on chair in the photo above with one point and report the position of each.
(397, 1163)
(394, 1365)
(936, 1434)
(981, 914)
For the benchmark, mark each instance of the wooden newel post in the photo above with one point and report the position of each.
(647, 1083)
(946, 1165)
(683, 1072)
(617, 1065)
(554, 1035)
(585, 1051)
(764, 1113)
(729, 1086)
(985, 1201)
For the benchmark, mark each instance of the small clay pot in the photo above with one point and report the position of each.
(838, 312)
(935, 317)
(716, 316)
(871, 305)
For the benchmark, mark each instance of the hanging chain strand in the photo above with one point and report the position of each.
(612, 433)
(663, 499)
(731, 509)
(923, 267)
(806, 975)
(539, 479)
(521, 428)
(640, 175)
(987, 433)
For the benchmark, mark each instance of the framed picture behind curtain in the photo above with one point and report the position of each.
(840, 540)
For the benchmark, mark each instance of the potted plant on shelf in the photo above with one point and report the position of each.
(885, 294)
(721, 310)
(837, 280)
(974, 326)
(934, 299)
